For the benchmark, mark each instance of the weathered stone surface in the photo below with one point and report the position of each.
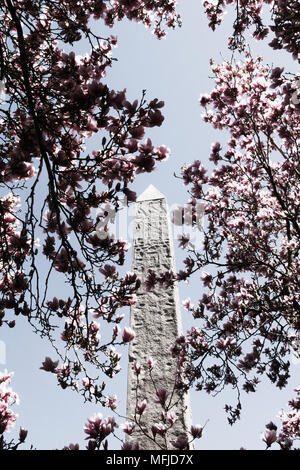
(155, 317)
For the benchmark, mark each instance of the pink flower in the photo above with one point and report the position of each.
(108, 271)
(183, 240)
(128, 335)
(265, 213)
(130, 278)
(22, 434)
(124, 245)
(140, 407)
(111, 402)
(196, 431)
(116, 331)
(269, 437)
(150, 362)
(96, 428)
(187, 304)
(171, 417)
(181, 442)
(162, 152)
(137, 367)
(119, 318)
(92, 444)
(131, 300)
(127, 427)
(206, 279)
(93, 426)
(162, 395)
(49, 365)
(7, 398)
(86, 382)
(150, 280)
(72, 447)
(159, 429)
(226, 343)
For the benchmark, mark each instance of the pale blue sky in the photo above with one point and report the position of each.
(175, 70)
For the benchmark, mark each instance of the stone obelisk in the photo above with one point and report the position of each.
(155, 318)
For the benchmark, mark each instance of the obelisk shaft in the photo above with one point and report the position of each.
(155, 318)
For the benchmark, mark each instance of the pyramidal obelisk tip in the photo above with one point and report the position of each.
(150, 193)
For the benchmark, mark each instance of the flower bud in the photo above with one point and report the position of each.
(128, 335)
(22, 434)
(196, 431)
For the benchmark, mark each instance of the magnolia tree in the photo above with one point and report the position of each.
(53, 102)
(284, 17)
(248, 318)
(249, 265)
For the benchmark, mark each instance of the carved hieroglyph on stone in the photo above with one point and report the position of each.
(155, 318)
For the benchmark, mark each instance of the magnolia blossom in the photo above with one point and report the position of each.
(7, 399)
(141, 406)
(196, 431)
(187, 304)
(128, 335)
(48, 365)
(184, 240)
(136, 367)
(108, 271)
(87, 382)
(22, 434)
(290, 424)
(181, 442)
(161, 394)
(269, 437)
(171, 417)
(111, 402)
(206, 278)
(151, 362)
(128, 427)
(158, 428)
(98, 428)
(71, 447)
